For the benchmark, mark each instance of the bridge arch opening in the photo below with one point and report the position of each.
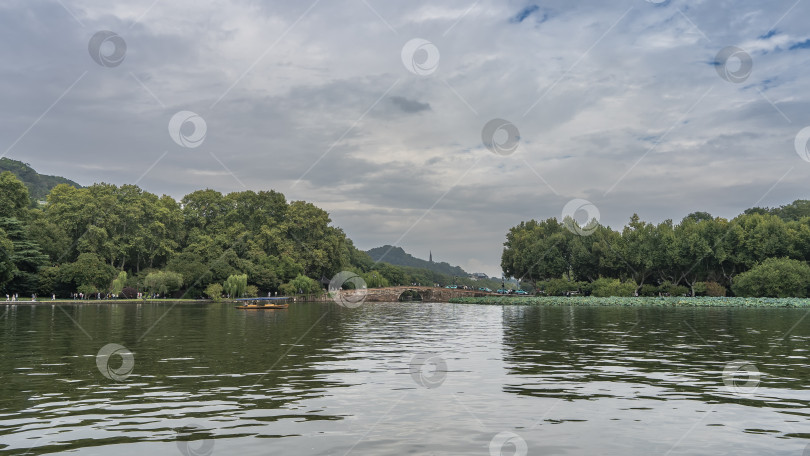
(410, 295)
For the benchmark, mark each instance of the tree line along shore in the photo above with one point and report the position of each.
(120, 241)
(760, 253)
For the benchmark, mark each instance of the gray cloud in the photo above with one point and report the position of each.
(615, 102)
(409, 106)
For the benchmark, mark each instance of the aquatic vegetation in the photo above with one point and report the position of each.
(633, 301)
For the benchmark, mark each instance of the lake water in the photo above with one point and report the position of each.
(403, 378)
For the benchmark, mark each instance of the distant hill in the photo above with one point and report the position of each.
(397, 256)
(39, 185)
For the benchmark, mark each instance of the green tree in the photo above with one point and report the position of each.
(119, 283)
(301, 285)
(163, 282)
(536, 251)
(13, 196)
(251, 291)
(775, 278)
(7, 268)
(88, 274)
(214, 291)
(374, 279)
(235, 285)
(640, 249)
(25, 255)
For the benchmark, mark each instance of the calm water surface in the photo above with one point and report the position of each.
(318, 379)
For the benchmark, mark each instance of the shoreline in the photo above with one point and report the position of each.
(103, 301)
(615, 301)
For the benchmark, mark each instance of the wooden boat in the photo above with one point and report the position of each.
(263, 303)
(266, 306)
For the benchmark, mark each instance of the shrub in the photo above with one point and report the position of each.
(612, 287)
(715, 289)
(88, 290)
(774, 278)
(251, 291)
(129, 293)
(558, 287)
(648, 290)
(672, 289)
(214, 291)
(301, 284)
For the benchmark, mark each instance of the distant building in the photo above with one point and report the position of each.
(431, 256)
(478, 276)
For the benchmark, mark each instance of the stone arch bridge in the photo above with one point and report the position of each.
(428, 294)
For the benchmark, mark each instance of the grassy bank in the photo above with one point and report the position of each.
(100, 301)
(629, 302)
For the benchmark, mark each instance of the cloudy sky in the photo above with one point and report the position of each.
(377, 111)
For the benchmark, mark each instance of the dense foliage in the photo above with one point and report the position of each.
(109, 239)
(774, 278)
(700, 255)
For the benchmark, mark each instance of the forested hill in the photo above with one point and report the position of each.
(38, 184)
(398, 257)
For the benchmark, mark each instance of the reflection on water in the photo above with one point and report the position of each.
(401, 378)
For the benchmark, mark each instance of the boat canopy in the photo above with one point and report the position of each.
(274, 298)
